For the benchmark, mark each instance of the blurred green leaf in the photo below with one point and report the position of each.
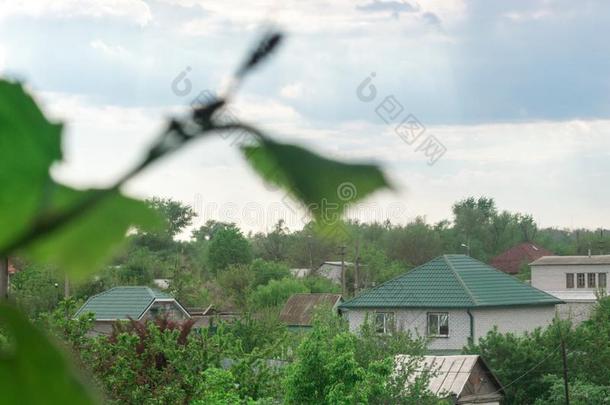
(34, 371)
(29, 144)
(90, 239)
(324, 186)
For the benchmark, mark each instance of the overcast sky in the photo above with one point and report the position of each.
(517, 93)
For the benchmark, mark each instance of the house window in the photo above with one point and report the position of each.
(580, 280)
(591, 280)
(569, 280)
(438, 324)
(602, 280)
(384, 322)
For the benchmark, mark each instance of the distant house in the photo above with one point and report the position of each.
(576, 280)
(300, 272)
(134, 302)
(462, 379)
(210, 316)
(332, 270)
(451, 299)
(511, 260)
(299, 309)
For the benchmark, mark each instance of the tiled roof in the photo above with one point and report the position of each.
(299, 308)
(451, 281)
(569, 260)
(122, 302)
(511, 260)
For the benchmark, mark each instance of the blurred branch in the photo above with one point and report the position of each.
(178, 133)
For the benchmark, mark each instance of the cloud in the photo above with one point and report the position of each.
(135, 10)
(2, 58)
(394, 7)
(312, 17)
(431, 18)
(293, 90)
(109, 50)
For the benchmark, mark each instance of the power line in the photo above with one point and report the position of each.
(528, 371)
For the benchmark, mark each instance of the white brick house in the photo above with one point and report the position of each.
(451, 300)
(576, 280)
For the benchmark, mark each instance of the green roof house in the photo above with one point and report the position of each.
(135, 302)
(452, 299)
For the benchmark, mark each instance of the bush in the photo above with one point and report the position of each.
(276, 292)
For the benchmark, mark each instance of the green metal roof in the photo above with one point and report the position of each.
(451, 281)
(122, 302)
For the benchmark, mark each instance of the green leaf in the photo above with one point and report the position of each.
(29, 144)
(34, 371)
(324, 186)
(89, 240)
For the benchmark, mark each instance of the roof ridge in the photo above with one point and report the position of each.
(455, 273)
(409, 271)
(515, 279)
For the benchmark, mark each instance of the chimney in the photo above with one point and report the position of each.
(589, 252)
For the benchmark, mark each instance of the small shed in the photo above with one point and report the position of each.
(464, 379)
(299, 309)
(212, 315)
(132, 302)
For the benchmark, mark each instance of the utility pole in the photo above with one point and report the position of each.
(3, 277)
(343, 280)
(357, 268)
(565, 370)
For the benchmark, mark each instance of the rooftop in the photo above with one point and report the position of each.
(454, 373)
(122, 302)
(451, 281)
(571, 260)
(299, 308)
(511, 260)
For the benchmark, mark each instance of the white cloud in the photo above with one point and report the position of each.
(135, 10)
(293, 90)
(542, 168)
(109, 50)
(314, 16)
(2, 58)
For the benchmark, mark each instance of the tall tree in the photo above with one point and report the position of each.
(228, 247)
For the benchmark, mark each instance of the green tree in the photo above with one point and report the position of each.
(276, 292)
(237, 282)
(228, 247)
(265, 271)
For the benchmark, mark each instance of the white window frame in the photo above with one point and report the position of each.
(599, 280)
(591, 277)
(570, 280)
(386, 325)
(439, 316)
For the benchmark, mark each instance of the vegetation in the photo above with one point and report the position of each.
(100, 238)
(535, 361)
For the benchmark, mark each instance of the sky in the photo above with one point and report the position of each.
(451, 98)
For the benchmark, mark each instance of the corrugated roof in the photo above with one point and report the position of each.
(452, 372)
(451, 281)
(511, 260)
(299, 308)
(569, 260)
(122, 302)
